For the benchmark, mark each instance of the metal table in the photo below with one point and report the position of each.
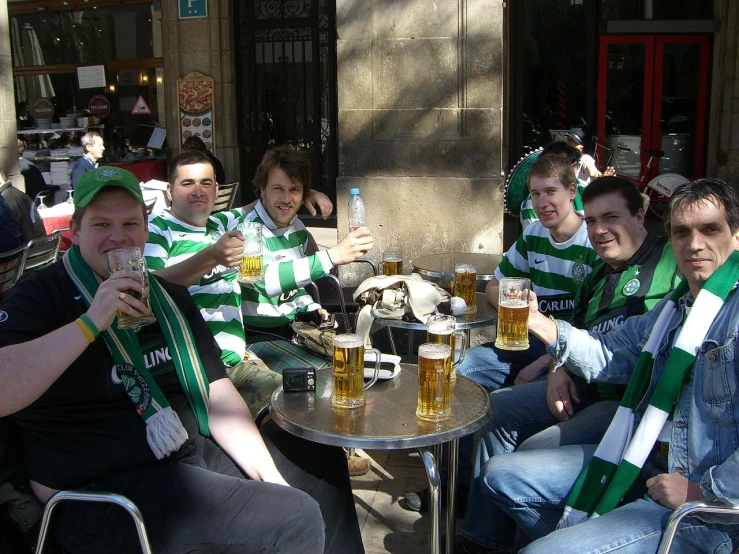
(486, 314)
(430, 266)
(388, 422)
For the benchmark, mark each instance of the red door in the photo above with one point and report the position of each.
(652, 96)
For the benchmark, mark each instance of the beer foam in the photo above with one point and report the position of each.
(393, 259)
(514, 303)
(348, 340)
(466, 268)
(441, 327)
(434, 351)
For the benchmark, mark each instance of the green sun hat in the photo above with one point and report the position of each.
(96, 180)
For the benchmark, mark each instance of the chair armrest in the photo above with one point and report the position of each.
(691, 508)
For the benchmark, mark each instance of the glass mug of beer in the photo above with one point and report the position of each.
(513, 314)
(434, 381)
(131, 259)
(349, 383)
(441, 329)
(392, 262)
(250, 270)
(465, 284)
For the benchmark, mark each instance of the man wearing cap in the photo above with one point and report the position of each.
(587, 171)
(99, 408)
(92, 145)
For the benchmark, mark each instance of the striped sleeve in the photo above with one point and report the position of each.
(158, 246)
(515, 263)
(280, 277)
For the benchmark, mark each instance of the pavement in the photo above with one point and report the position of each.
(386, 526)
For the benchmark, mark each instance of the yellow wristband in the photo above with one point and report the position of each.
(85, 330)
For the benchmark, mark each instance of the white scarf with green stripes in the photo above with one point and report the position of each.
(622, 452)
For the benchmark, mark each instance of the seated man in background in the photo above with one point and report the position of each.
(638, 270)
(91, 415)
(182, 249)
(673, 438)
(23, 210)
(35, 182)
(283, 179)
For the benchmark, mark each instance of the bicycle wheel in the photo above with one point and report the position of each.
(660, 190)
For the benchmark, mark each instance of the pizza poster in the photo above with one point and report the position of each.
(195, 94)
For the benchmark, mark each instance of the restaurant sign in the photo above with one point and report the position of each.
(42, 109)
(99, 106)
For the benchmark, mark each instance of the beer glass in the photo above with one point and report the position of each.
(349, 383)
(513, 314)
(441, 329)
(465, 284)
(392, 262)
(131, 259)
(434, 381)
(250, 270)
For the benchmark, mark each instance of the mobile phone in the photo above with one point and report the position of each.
(329, 324)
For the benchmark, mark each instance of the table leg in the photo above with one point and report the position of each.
(432, 461)
(451, 508)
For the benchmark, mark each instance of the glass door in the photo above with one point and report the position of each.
(652, 97)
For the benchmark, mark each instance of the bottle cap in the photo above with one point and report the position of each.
(353, 191)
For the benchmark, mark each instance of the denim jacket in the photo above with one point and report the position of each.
(704, 443)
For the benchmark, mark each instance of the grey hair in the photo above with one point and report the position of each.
(717, 192)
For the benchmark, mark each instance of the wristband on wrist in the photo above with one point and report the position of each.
(85, 330)
(90, 325)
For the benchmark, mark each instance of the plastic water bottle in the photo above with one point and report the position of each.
(357, 211)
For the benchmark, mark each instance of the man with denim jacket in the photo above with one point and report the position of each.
(696, 454)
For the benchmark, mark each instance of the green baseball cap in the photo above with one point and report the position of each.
(96, 180)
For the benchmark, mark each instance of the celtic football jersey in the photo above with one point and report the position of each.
(609, 296)
(556, 269)
(273, 302)
(217, 293)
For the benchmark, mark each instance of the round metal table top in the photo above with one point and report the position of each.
(430, 266)
(486, 314)
(388, 421)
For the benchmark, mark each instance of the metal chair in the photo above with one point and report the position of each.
(78, 496)
(42, 251)
(226, 197)
(11, 267)
(691, 508)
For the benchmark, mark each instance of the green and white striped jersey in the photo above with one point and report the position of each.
(274, 301)
(217, 293)
(556, 269)
(528, 215)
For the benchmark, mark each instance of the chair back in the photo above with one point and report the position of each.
(226, 197)
(11, 267)
(42, 251)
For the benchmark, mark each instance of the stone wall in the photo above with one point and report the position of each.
(8, 138)
(420, 123)
(203, 45)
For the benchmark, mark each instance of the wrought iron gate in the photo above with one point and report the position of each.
(286, 83)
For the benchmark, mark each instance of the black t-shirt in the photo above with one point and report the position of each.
(84, 427)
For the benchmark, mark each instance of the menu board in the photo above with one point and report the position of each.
(195, 93)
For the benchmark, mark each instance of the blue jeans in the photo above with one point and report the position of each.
(494, 368)
(522, 421)
(532, 488)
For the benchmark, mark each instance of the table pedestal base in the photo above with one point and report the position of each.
(432, 459)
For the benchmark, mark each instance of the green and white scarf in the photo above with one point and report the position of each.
(164, 431)
(622, 452)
